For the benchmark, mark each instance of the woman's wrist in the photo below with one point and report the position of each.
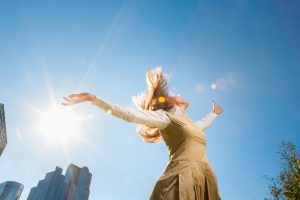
(92, 97)
(215, 113)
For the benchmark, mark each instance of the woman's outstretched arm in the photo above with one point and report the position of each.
(157, 119)
(206, 121)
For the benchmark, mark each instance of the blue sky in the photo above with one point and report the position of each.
(50, 49)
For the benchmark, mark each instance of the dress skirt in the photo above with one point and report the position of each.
(186, 180)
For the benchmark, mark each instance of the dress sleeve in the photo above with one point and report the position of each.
(158, 118)
(206, 121)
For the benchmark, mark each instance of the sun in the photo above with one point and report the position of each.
(60, 130)
(59, 125)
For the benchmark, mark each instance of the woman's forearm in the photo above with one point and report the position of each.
(150, 118)
(206, 121)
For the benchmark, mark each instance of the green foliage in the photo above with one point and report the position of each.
(286, 185)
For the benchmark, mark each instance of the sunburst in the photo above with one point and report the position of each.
(58, 125)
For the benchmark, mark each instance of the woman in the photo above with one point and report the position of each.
(188, 175)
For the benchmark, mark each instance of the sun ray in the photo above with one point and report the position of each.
(123, 18)
(66, 151)
(93, 147)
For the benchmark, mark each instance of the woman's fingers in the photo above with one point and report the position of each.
(216, 108)
(214, 103)
(67, 104)
(72, 96)
(76, 98)
(69, 100)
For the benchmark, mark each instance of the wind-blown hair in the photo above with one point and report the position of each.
(157, 97)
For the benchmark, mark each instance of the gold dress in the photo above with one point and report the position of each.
(188, 175)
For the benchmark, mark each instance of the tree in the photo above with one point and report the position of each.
(286, 185)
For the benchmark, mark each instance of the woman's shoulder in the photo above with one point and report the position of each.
(177, 115)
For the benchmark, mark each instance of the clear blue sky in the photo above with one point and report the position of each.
(52, 48)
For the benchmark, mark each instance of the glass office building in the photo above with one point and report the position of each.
(3, 138)
(10, 190)
(52, 187)
(79, 181)
(73, 186)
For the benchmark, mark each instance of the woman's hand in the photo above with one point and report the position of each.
(78, 98)
(216, 108)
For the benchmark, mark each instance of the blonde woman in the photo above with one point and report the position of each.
(160, 116)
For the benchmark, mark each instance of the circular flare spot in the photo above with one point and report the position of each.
(161, 99)
(199, 88)
(213, 86)
(221, 83)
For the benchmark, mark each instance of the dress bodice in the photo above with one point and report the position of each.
(184, 139)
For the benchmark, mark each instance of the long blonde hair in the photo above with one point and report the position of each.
(157, 97)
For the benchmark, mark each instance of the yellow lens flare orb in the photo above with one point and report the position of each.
(59, 125)
(161, 99)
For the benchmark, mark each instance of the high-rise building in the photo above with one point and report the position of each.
(3, 138)
(52, 187)
(79, 181)
(73, 186)
(10, 190)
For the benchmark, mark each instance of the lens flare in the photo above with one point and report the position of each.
(199, 88)
(221, 83)
(213, 86)
(161, 99)
(232, 77)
